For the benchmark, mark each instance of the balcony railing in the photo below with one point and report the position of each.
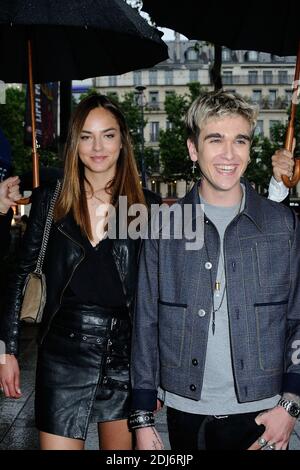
(267, 103)
(155, 106)
(260, 79)
(154, 136)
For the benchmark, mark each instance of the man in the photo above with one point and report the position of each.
(217, 330)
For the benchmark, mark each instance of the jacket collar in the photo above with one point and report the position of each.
(253, 202)
(68, 226)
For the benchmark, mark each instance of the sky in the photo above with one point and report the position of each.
(168, 33)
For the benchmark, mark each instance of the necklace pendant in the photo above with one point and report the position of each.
(217, 288)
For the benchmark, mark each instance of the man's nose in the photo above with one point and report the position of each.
(228, 150)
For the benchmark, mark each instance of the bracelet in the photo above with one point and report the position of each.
(141, 419)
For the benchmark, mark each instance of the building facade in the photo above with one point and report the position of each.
(263, 78)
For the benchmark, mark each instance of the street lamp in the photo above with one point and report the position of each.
(140, 92)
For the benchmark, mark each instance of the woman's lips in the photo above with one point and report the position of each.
(98, 158)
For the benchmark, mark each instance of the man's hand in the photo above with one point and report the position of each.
(279, 426)
(9, 193)
(148, 439)
(283, 163)
(10, 376)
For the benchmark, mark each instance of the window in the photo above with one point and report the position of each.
(154, 167)
(153, 100)
(252, 56)
(227, 78)
(171, 189)
(169, 77)
(268, 77)
(259, 129)
(191, 54)
(152, 77)
(273, 123)
(252, 77)
(272, 97)
(137, 78)
(154, 131)
(283, 77)
(226, 55)
(112, 80)
(193, 75)
(169, 92)
(288, 97)
(256, 96)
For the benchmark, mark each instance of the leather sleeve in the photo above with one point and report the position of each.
(32, 239)
(5, 223)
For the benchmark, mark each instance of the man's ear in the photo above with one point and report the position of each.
(192, 150)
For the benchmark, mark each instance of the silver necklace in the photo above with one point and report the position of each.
(217, 286)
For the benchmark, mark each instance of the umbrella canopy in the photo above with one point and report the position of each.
(74, 39)
(256, 26)
(54, 40)
(261, 27)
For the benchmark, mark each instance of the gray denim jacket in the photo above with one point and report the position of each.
(262, 262)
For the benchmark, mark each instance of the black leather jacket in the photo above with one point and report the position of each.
(63, 256)
(5, 222)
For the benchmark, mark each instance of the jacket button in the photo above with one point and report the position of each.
(98, 340)
(72, 335)
(194, 362)
(201, 312)
(84, 338)
(208, 265)
(193, 387)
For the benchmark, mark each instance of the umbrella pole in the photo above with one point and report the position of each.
(35, 157)
(291, 127)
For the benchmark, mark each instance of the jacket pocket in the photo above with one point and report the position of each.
(171, 326)
(271, 264)
(271, 332)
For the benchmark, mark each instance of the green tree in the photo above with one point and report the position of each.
(260, 169)
(12, 116)
(175, 161)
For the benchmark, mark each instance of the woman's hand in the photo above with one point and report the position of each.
(10, 376)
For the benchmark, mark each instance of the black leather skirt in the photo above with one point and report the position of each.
(83, 370)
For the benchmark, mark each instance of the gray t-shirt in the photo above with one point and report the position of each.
(218, 395)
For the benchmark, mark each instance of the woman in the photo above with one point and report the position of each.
(84, 339)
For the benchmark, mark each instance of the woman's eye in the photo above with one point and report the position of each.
(85, 137)
(110, 136)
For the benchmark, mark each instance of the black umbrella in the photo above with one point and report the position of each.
(74, 39)
(55, 40)
(255, 26)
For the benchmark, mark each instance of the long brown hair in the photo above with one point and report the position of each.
(126, 181)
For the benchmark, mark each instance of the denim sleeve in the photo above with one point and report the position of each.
(291, 378)
(145, 352)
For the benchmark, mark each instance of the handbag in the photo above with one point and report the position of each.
(34, 290)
